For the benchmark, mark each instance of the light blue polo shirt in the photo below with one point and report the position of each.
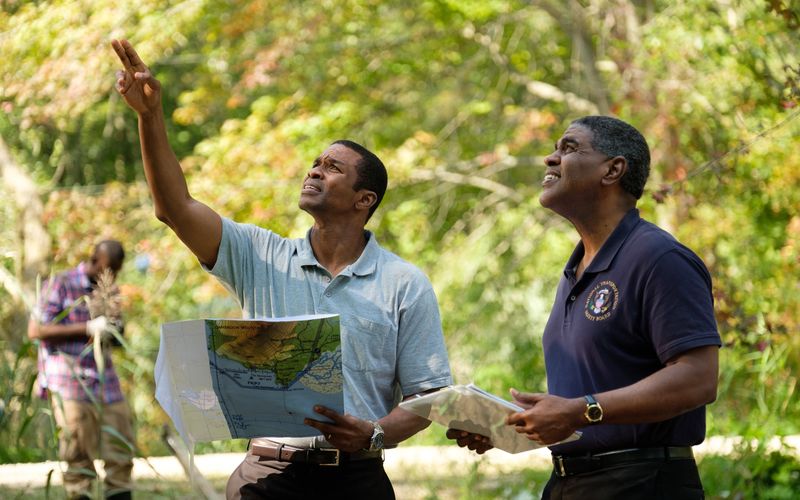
(392, 341)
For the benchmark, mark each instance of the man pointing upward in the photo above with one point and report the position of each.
(392, 342)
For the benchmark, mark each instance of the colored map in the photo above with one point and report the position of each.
(267, 371)
(290, 351)
(222, 379)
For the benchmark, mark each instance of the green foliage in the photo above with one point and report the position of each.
(24, 429)
(461, 100)
(762, 384)
(752, 472)
(158, 488)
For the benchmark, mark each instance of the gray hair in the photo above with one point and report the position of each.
(614, 137)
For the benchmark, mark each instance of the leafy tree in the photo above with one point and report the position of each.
(461, 99)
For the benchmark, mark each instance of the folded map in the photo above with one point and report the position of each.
(470, 408)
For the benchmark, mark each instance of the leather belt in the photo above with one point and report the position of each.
(315, 456)
(578, 464)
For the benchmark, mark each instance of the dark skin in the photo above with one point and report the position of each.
(337, 236)
(350, 434)
(99, 262)
(475, 442)
(582, 185)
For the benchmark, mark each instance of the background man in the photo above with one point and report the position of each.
(631, 346)
(68, 371)
(392, 342)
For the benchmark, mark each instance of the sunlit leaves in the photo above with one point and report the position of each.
(461, 99)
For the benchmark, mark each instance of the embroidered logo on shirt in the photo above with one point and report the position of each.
(601, 301)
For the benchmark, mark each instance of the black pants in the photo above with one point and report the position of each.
(644, 480)
(257, 478)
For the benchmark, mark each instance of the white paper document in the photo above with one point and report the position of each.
(470, 408)
(236, 378)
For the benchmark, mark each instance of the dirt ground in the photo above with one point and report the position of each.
(406, 466)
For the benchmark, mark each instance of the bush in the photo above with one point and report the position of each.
(751, 472)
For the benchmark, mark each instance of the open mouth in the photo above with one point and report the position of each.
(550, 177)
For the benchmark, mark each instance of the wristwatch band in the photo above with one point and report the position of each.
(593, 412)
(376, 441)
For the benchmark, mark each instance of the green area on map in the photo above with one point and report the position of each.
(286, 349)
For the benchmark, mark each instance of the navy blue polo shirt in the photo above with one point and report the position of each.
(644, 299)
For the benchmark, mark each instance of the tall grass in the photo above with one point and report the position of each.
(28, 430)
(26, 424)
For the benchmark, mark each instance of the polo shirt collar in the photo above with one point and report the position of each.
(610, 248)
(366, 263)
(305, 255)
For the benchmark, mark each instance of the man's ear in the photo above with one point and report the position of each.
(366, 199)
(617, 166)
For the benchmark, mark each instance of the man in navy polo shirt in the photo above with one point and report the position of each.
(631, 346)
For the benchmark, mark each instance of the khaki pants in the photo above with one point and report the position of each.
(81, 441)
(258, 478)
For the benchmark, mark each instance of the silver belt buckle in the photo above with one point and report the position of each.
(560, 466)
(336, 462)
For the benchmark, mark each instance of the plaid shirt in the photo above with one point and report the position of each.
(68, 366)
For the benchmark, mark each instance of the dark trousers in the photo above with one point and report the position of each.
(644, 480)
(258, 478)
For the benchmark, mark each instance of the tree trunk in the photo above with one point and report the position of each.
(30, 237)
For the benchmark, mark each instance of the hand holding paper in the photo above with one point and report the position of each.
(477, 412)
(545, 419)
(475, 442)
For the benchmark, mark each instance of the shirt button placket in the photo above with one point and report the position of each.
(568, 310)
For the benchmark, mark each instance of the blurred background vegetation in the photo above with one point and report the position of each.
(461, 99)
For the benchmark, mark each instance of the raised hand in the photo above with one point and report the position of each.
(136, 84)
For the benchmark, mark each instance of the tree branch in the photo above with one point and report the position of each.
(442, 174)
(537, 88)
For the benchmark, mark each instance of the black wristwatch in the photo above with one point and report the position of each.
(376, 441)
(594, 412)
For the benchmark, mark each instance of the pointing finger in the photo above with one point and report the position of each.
(133, 56)
(123, 56)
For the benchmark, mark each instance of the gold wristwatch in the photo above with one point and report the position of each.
(594, 412)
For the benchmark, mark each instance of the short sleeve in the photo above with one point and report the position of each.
(234, 264)
(422, 356)
(678, 304)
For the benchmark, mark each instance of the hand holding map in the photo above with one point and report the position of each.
(223, 379)
(470, 408)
